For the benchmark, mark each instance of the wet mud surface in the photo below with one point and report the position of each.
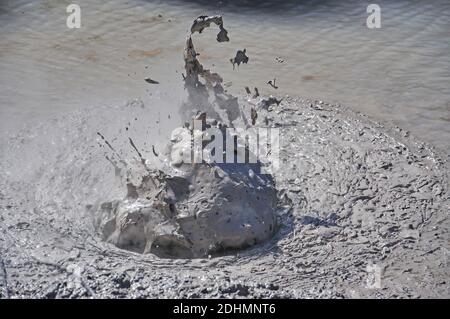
(357, 193)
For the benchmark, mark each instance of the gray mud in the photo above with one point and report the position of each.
(360, 193)
(361, 208)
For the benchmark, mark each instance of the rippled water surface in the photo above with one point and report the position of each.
(398, 73)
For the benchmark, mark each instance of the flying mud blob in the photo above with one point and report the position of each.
(179, 207)
(256, 93)
(151, 81)
(240, 57)
(203, 22)
(266, 103)
(272, 84)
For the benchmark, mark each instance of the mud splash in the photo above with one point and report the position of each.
(208, 96)
(184, 210)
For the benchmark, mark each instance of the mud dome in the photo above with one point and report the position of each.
(190, 210)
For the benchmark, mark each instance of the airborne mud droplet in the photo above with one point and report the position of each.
(240, 57)
(149, 80)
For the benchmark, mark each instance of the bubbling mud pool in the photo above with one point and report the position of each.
(349, 191)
